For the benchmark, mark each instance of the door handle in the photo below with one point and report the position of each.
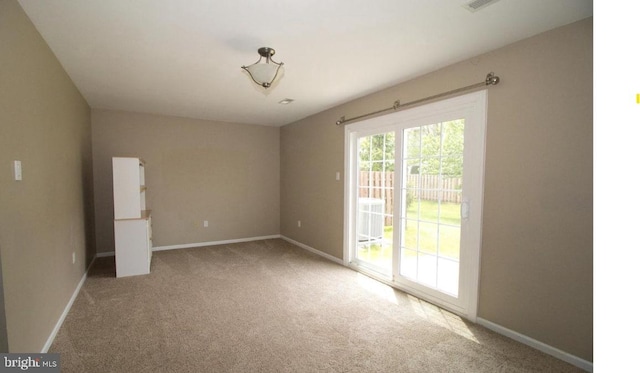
(464, 209)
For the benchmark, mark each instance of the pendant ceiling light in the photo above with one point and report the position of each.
(263, 73)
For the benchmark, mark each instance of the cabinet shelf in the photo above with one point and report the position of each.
(144, 214)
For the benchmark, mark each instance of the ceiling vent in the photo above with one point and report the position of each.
(476, 5)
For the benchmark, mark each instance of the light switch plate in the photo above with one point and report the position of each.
(17, 170)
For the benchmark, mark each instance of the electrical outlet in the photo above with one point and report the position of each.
(206, 223)
(73, 258)
(299, 224)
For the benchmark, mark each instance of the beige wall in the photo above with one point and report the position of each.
(537, 262)
(47, 216)
(196, 170)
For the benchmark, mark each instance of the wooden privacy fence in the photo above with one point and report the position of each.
(378, 184)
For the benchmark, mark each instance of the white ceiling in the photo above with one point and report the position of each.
(183, 57)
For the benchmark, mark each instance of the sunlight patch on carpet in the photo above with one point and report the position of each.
(441, 317)
(377, 288)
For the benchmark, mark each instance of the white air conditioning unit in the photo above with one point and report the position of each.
(370, 219)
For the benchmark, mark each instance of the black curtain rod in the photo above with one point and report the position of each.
(491, 79)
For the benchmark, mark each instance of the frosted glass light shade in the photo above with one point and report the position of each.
(264, 72)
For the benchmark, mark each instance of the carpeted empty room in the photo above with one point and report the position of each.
(270, 306)
(308, 186)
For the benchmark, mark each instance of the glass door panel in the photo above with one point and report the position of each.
(432, 192)
(374, 202)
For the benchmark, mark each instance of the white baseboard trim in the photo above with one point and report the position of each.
(315, 251)
(197, 244)
(549, 350)
(66, 310)
(213, 243)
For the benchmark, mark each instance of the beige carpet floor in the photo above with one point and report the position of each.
(269, 306)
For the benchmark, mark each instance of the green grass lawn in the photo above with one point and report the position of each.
(449, 212)
(421, 233)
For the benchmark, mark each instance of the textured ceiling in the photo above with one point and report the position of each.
(183, 58)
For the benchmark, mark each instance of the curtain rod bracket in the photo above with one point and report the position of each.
(491, 79)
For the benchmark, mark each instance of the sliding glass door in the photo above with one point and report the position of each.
(414, 199)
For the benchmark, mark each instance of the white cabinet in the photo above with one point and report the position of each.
(132, 220)
(128, 188)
